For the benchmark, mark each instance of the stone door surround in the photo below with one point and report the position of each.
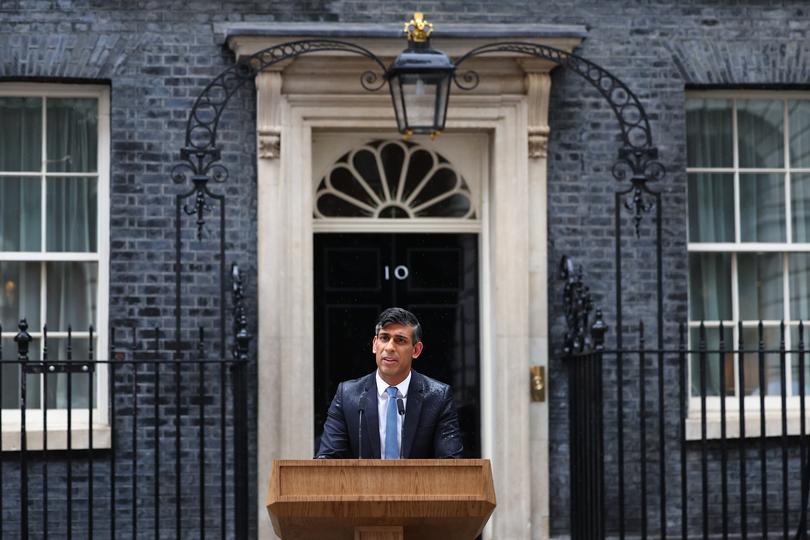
(322, 92)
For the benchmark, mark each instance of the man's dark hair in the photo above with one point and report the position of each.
(397, 315)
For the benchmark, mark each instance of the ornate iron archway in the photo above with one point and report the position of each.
(200, 157)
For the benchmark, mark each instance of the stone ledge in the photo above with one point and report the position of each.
(224, 31)
(773, 424)
(57, 438)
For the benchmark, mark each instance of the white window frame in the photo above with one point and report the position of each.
(57, 419)
(773, 405)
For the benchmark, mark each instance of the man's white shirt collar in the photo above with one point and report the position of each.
(402, 388)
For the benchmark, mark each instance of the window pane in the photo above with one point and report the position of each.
(21, 144)
(71, 295)
(805, 361)
(759, 129)
(709, 286)
(799, 118)
(762, 207)
(71, 217)
(20, 216)
(10, 385)
(708, 133)
(760, 286)
(800, 206)
(770, 361)
(19, 298)
(57, 390)
(712, 361)
(799, 264)
(72, 134)
(711, 208)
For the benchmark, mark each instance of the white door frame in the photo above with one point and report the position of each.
(513, 295)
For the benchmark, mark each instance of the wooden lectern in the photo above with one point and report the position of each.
(375, 499)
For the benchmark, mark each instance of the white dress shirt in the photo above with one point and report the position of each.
(382, 407)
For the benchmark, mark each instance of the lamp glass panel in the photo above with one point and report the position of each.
(419, 92)
(395, 85)
(442, 98)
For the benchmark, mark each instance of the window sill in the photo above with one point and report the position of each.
(57, 438)
(773, 425)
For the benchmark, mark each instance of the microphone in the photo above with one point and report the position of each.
(401, 410)
(400, 406)
(361, 408)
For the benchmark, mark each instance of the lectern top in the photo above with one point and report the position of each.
(430, 498)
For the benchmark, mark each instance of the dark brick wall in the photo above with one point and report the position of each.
(156, 56)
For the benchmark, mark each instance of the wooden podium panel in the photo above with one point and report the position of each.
(442, 499)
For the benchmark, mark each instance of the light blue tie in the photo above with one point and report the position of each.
(391, 447)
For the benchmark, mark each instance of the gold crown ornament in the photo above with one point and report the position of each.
(418, 29)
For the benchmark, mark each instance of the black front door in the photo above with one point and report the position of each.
(433, 275)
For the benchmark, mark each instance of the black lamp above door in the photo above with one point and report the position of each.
(419, 80)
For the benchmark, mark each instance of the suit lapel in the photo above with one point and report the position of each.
(372, 427)
(415, 396)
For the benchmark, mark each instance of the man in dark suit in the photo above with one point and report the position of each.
(394, 412)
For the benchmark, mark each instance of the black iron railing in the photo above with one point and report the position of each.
(703, 438)
(722, 455)
(152, 456)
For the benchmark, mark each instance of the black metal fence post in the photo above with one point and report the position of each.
(241, 345)
(23, 340)
(584, 345)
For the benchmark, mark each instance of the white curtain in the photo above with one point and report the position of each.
(799, 118)
(709, 299)
(760, 282)
(709, 140)
(20, 151)
(800, 195)
(762, 207)
(70, 215)
(71, 226)
(760, 130)
(711, 207)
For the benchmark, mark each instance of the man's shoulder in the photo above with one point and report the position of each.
(427, 384)
(359, 383)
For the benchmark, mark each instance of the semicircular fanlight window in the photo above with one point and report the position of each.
(393, 180)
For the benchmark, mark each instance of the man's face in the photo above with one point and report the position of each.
(395, 350)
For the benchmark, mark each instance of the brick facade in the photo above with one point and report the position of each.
(157, 56)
